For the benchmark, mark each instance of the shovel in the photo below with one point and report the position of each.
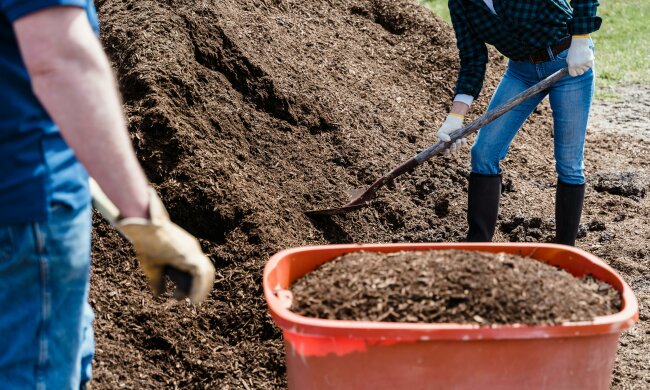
(362, 197)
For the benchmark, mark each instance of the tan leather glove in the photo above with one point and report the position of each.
(162, 247)
(159, 243)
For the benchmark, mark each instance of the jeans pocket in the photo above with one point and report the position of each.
(6, 243)
(59, 208)
(561, 56)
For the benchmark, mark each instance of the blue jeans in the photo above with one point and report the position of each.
(570, 101)
(46, 334)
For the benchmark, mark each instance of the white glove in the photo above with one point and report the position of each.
(451, 124)
(581, 55)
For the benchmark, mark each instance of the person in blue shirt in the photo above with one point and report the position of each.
(539, 37)
(61, 118)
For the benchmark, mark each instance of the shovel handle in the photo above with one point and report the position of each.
(491, 116)
(463, 132)
(366, 196)
(182, 281)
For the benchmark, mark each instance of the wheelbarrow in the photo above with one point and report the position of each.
(345, 355)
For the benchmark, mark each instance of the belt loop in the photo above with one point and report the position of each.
(38, 238)
(549, 50)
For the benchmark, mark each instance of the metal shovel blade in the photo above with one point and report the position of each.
(337, 210)
(358, 199)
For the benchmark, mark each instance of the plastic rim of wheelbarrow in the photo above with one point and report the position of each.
(288, 265)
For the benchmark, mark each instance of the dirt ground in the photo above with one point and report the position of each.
(626, 111)
(619, 148)
(247, 113)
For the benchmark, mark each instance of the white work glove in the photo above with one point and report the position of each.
(581, 55)
(451, 124)
(161, 245)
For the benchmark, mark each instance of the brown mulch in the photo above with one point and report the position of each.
(463, 287)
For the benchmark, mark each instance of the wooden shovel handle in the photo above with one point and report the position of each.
(491, 116)
(463, 132)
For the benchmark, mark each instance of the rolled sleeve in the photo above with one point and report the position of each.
(473, 54)
(584, 19)
(467, 99)
(16, 9)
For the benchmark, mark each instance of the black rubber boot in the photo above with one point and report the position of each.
(568, 209)
(482, 206)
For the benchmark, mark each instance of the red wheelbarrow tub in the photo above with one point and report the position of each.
(329, 354)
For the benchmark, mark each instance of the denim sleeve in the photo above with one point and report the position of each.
(584, 19)
(472, 51)
(16, 9)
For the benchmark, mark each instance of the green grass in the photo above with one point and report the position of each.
(622, 43)
(622, 49)
(439, 7)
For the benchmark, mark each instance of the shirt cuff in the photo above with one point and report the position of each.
(584, 25)
(463, 98)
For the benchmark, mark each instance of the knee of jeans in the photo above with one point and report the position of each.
(483, 161)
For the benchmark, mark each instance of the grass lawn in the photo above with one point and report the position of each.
(622, 49)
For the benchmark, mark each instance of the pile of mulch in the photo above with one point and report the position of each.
(246, 113)
(465, 287)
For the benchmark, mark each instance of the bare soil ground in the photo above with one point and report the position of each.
(246, 113)
(619, 156)
(627, 111)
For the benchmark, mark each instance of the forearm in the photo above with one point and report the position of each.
(82, 99)
(459, 108)
(73, 80)
(471, 75)
(585, 20)
(473, 59)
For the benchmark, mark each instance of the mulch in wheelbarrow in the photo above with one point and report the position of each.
(450, 286)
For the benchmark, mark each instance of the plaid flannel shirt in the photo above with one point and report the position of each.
(520, 28)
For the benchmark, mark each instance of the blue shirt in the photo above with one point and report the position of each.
(37, 168)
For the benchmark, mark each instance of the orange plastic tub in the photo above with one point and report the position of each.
(326, 354)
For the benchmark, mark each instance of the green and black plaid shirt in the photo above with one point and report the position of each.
(520, 28)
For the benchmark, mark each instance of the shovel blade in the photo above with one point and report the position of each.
(355, 192)
(338, 210)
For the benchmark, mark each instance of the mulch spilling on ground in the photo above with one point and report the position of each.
(465, 287)
(246, 113)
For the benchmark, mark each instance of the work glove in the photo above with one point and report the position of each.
(159, 244)
(451, 124)
(581, 55)
(162, 248)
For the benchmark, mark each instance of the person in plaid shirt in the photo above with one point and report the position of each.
(539, 37)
